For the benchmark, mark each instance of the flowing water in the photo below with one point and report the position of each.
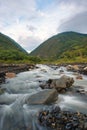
(15, 114)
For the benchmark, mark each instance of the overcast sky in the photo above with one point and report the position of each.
(30, 22)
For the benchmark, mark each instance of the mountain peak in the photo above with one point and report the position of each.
(61, 45)
(8, 43)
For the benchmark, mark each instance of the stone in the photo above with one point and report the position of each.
(2, 77)
(61, 71)
(72, 68)
(44, 70)
(85, 69)
(62, 120)
(2, 91)
(43, 97)
(59, 84)
(75, 67)
(63, 82)
(10, 75)
(79, 77)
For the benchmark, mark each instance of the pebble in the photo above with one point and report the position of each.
(57, 119)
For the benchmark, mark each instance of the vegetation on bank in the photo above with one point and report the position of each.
(37, 60)
(17, 57)
(68, 47)
(64, 47)
(12, 52)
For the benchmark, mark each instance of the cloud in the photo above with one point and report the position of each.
(17, 8)
(31, 28)
(29, 42)
(78, 23)
(31, 22)
(75, 2)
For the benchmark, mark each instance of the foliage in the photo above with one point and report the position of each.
(68, 47)
(12, 52)
(6, 43)
(64, 47)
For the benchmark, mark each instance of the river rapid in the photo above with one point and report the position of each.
(15, 114)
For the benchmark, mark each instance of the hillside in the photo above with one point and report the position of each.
(67, 45)
(10, 50)
(8, 43)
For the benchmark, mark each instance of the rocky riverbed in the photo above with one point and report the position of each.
(10, 70)
(24, 105)
(55, 118)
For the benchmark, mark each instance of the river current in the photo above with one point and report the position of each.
(15, 114)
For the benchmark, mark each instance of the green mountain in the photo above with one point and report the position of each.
(8, 43)
(10, 50)
(66, 46)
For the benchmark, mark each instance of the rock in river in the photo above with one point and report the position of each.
(60, 84)
(43, 97)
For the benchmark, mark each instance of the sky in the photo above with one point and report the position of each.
(31, 22)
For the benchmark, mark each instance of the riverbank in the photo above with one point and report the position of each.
(23, 99)
(13, 68)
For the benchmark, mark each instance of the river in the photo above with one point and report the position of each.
(15, 114)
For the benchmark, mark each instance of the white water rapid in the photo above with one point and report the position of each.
(15, 114)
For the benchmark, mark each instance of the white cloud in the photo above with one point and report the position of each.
(29, 42)
(30, 26)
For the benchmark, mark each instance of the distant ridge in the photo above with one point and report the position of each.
(11, 51)
(8, 44)
(63, 45)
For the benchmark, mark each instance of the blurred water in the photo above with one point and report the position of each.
(15, 114)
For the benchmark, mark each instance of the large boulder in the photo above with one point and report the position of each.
(43, 97)
(59, 84)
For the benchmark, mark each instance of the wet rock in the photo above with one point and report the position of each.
(44, 70)
(81, 91)
(59, 84)
(2, 77)
(62, 120)
(2, 91)
(10, 75)
(79, 77)
(72, 68)
(43, 97)
(61, 71)
(85, 69)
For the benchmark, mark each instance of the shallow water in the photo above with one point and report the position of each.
(15, 114)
